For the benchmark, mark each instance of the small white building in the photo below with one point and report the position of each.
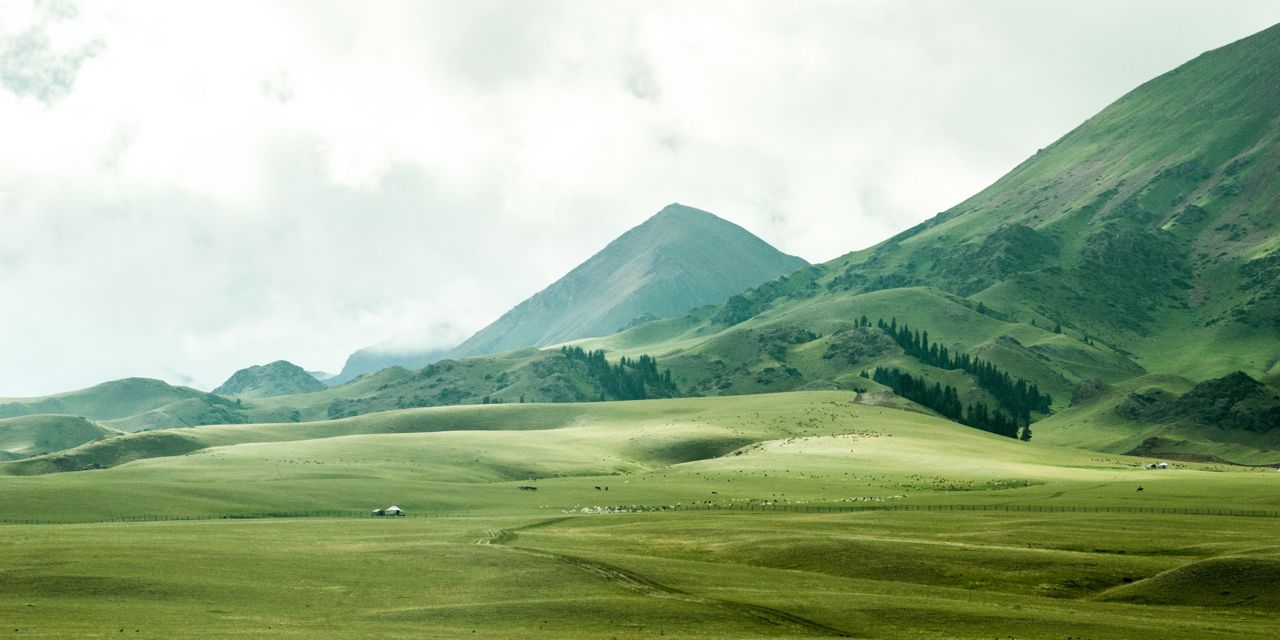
(393, 510)
(1163, 465)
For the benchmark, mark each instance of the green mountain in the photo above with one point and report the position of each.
(1120, 289)
(132, 404)
(275, 379)
(1138, 252)
(1151, 227)
(679, 259)
(34, 435)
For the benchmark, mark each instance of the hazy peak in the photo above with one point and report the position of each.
(273, 379)
(678, 259)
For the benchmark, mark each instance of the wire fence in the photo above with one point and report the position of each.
(1013, 508)
(728, 508)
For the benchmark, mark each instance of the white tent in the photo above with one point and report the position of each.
(393, 510)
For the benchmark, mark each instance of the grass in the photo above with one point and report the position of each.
(479, 557)
(1095, 424)
(624, 576)
(26, 436)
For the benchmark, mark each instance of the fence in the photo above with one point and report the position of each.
(808, 508)
(775, 508)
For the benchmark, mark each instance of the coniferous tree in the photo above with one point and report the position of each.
(1018, 397)
(629, 379)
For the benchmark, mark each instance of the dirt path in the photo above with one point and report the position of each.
(642, 585)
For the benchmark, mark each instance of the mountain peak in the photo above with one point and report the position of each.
(678, 259)
(675, 209)
(277, 378)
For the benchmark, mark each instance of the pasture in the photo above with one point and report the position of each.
(684, 518)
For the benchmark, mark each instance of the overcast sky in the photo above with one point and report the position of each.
(187, 188)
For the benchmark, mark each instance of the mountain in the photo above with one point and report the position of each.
(1151, 227)
(678, 259)
(379, 357)
(1139, 255)
(278, 378)
(1120, 289)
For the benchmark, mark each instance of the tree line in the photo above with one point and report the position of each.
(629, 379)
(1015, 395)
(946, 401)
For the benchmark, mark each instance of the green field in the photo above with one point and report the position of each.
(706, 517)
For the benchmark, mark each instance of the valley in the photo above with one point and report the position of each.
(1050, 411)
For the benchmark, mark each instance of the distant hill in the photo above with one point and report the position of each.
(678, 259)
(132, 404)
(27, 436)
(379, 357)
(278, 378)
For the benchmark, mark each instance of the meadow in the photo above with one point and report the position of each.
(704, 517)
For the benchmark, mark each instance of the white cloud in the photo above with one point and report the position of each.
(188, 188)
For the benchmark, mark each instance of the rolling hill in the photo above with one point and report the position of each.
(34, 435)
(631, 520)
(678, 259)
(132, 404)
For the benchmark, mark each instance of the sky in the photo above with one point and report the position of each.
(188, 188)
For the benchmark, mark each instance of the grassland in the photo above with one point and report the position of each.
(597, 550)
(26, 436)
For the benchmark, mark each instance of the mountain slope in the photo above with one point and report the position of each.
(679, 259)
(275, 379)
(1142, 245)
(1152, 226)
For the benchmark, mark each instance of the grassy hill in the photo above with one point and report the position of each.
(528, 375)
(741, 448)
(1174, 418)
(27, 436)
(132, 404)
(275, 379)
